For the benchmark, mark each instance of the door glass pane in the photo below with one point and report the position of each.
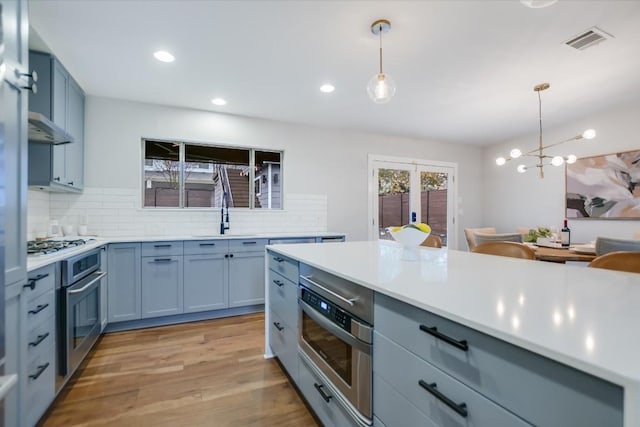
(162, 174)
(433, 202)
(268, 180)
(210, 172)
(393, 200)
(85, 316)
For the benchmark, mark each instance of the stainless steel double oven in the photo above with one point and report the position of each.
(336, 335)
(78, 311)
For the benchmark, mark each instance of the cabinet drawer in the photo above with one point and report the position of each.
(284, 343)
(394, 410)
(205, 247)
(39, 309)
(162, 248)
(283, 265)
(331, 413)
(499, 370)
(247, 245)
(404, 371)
(283, 298)
(40, 281)
(40, 337)
(40, 385)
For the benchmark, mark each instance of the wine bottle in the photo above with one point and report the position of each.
(565, 235)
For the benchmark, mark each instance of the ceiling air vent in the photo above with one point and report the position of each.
(588, 38)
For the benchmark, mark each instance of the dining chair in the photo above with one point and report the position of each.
(621, 261)
(469, 234)
(604, 245)
(481, 238)
(432, 241)
(508, 249)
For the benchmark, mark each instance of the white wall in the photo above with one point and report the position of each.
(512, 199)
(317, 161)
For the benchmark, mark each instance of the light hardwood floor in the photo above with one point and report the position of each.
(209, 373)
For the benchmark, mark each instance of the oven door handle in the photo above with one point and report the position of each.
(335, 330)
(88, 285)
(351, 301)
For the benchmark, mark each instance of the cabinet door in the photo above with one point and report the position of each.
(74, 159)
(162, 286)
(246, 278)
(13, 118)
(59, 116)
(205, 282)
(13, 341)
(124, 279)
(104, 266)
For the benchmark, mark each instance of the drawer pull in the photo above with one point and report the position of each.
(278, 282)
(207, 244)
(41, 369)
(462, 345)
(32, 282)
(325, 396)
(39, 339)
(278, 259)
(162, 260)
(249, 243)
(461, 408)
(39, 308)
(161, 246)
(278, 327)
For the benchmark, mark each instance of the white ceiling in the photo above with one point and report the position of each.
(465, 70)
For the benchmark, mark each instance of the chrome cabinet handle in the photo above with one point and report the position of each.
(39, 339)
(39, 308)
(461, 408)
(32, 282)
(41, 369)
(84, 288)
(351, 301)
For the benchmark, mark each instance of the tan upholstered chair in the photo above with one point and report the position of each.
(432, 241)
(509, 249)
(469, 234)
(621, 261)
(481, 238)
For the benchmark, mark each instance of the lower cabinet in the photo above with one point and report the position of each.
(104, 266)
(246, 278)
(205, 282)
(162, 286)
(125, 282)
(14, 299)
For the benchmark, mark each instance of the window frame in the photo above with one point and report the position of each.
(181, 187)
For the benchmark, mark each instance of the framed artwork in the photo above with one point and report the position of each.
(604, 187)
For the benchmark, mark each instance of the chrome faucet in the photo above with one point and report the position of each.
(224, 219)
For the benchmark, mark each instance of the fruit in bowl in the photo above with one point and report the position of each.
(410, 234)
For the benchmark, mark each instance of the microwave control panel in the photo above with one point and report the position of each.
(327, 309)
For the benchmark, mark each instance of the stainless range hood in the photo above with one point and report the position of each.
(43, 130)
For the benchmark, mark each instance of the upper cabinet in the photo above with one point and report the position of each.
(60, 99)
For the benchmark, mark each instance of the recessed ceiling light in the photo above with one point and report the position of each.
(164, 56)
(218, 101)
(327, 88)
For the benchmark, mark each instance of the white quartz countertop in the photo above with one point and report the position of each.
(579, 316)
(36, 261)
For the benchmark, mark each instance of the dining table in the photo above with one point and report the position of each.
(561, 255)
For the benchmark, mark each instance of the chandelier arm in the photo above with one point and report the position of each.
(529, 153)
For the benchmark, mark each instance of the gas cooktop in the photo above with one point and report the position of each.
(46, 247)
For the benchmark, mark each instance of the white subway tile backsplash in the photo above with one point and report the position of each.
(117, 212)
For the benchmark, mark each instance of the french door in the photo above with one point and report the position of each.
(404, 191)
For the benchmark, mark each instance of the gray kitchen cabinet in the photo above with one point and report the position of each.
(162, 286)
(246, 278)
(124, 280)
(494, 379)
(205, 282)
(104, 289)
(13, 118)
(13, 346)
(60, 99)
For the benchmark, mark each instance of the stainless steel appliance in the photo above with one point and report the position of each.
(336, 335)
(78, 311)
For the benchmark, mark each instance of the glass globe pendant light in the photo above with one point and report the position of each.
(381, 86)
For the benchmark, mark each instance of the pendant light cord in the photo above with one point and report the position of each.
(540, 121)
(380, 33)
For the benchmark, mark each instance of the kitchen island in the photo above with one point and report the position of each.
(570, 317)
